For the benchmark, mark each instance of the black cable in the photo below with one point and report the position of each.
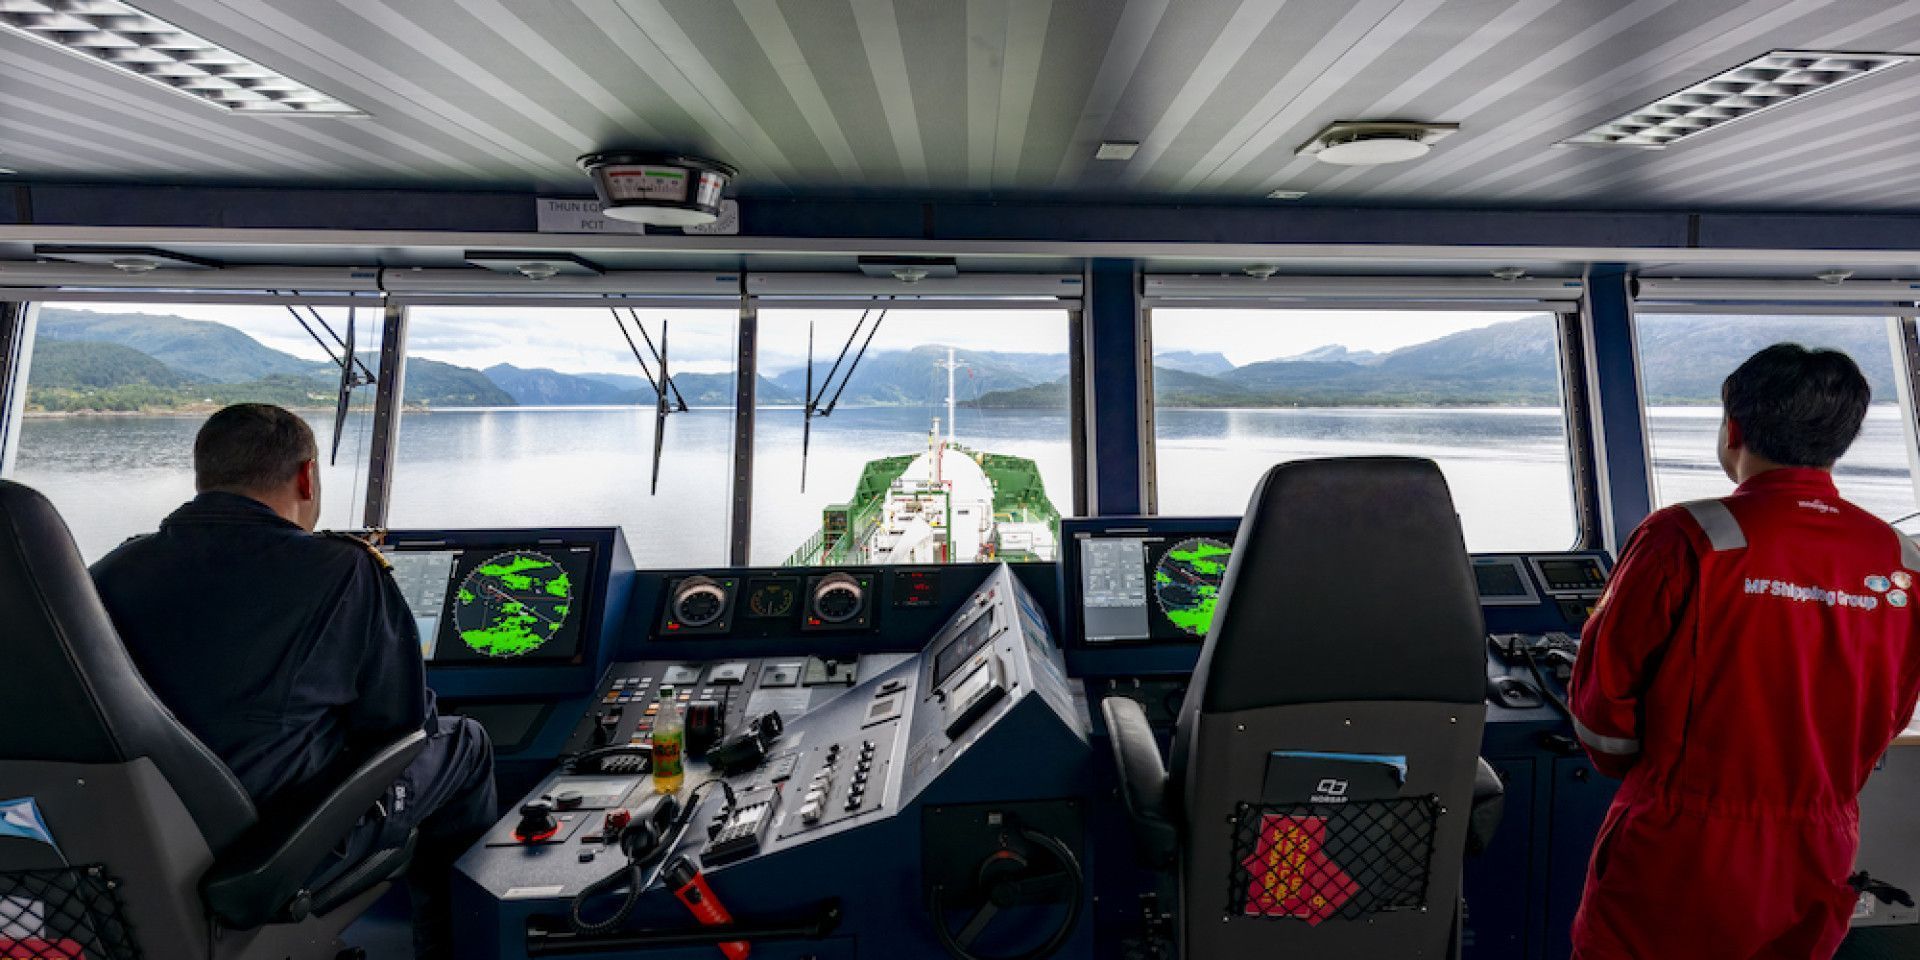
(633, 875)
(1077, 883)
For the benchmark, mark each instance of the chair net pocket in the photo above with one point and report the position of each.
(1331, 861)
(69, 913)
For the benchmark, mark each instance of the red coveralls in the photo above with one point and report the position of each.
(1750, 662)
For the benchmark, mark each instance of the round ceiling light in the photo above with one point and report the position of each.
(1373, 149)
(658, 188)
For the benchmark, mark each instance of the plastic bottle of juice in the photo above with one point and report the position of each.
(669, 744)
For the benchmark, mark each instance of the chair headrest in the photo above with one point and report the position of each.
(1349, 581)
(73, 695)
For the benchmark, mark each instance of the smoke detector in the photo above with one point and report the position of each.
(1366, 143)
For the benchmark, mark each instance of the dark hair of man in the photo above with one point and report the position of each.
(251, 447)
(1797, 407)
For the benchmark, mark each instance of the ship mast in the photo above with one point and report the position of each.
(951, 364)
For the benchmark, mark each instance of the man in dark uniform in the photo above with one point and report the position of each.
(293, 655)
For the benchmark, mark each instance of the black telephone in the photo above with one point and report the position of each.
(625, 758)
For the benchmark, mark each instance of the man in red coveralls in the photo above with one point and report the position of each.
(1751, 660)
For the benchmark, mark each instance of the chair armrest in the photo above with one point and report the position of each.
(1143, 780)
(1489, 802)
(263, 877)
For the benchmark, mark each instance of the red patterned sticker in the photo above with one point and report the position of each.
(1291, 874)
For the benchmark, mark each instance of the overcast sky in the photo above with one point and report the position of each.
(584, 340)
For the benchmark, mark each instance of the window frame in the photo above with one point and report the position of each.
(822, 293)
(1577, 406)
(395, 297)
(1903, 350)
(19, 330)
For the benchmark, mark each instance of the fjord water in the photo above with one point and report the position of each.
(114, 476)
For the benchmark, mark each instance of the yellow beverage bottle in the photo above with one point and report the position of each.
(669, 744)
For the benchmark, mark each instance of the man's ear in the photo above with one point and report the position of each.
(303, 481)
(1734, 440)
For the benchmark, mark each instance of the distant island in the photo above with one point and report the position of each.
(96, 362)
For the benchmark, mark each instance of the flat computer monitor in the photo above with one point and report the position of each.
(1144, 579)
(498, 603)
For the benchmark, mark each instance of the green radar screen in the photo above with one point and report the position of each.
(1186, 583)
(512, 604)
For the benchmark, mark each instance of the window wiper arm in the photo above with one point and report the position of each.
(347, 382)
(659, 355)
(366, 376)
(813, 407)
(660, 386)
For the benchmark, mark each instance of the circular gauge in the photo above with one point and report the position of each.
(1186, 583)
(698, 602)
(772, 598)
(512, 604)
(838, 598)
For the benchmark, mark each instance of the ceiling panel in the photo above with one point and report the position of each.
(998, 98)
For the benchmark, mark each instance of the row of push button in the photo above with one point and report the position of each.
(856, 794)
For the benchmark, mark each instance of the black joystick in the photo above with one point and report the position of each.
(536, 822)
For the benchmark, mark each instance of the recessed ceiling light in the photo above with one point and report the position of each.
(1116, 150)
(1783, 76)
(126, 38)
(1363, 143)
(1286, 194)
(129, 259)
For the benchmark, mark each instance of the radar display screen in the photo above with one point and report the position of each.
(497, 605)
(1186, 583)
(512, 604)
(1150, 587)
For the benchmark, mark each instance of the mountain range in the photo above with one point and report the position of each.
(1683, 360)
(84, 360)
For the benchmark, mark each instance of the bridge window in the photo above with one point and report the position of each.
(542, 416)
(116, 393)
(1684, 358)
(874, 479)
(1239, 390)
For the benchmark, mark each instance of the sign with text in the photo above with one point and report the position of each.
(571, 215)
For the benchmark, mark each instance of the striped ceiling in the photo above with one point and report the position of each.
(998, 98)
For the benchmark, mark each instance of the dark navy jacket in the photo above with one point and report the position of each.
(287, 652)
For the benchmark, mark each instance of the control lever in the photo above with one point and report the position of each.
(536, 822)
(606, 723)
(748, 750)
(1560, 744)
(689, 886)
(1883, 891)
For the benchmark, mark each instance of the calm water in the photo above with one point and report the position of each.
(116, 476)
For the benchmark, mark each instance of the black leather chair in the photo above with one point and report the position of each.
(1325, 761)
(121, 783)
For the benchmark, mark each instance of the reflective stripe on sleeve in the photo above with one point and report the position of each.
(1616, 746)
(1723, 531)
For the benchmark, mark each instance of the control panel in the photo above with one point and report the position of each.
(717, 697)
(844, 778)
(867, 742)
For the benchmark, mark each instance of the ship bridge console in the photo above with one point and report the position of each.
(902, 758)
